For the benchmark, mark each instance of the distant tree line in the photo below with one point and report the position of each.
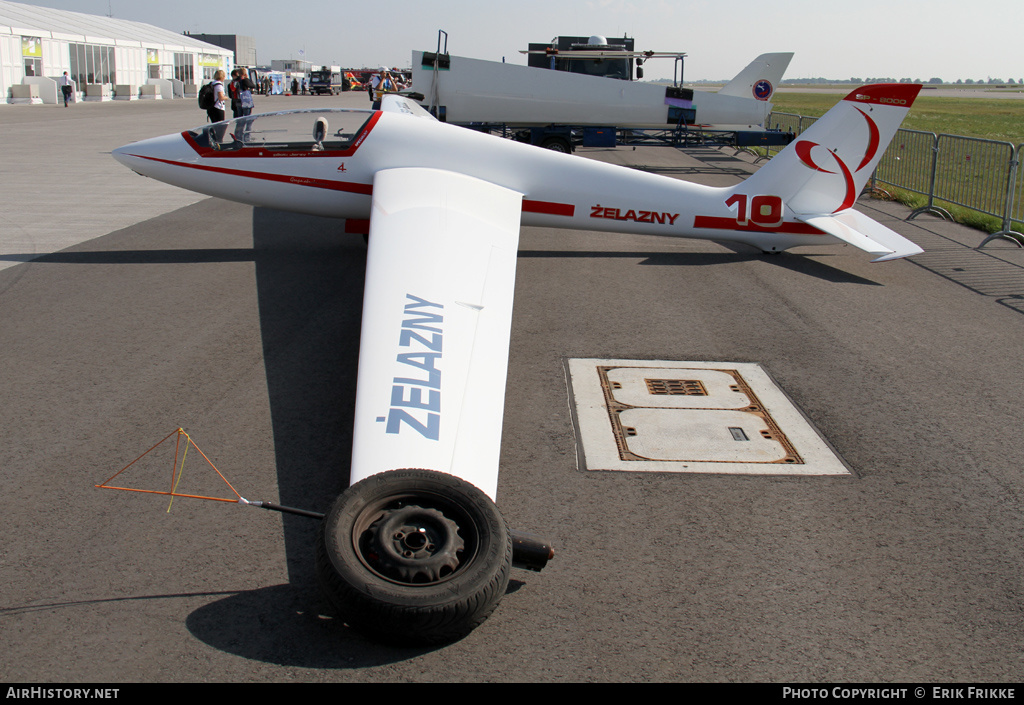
(863, 81)
(930, 81)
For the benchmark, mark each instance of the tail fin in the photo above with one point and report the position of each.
(760, 78)
(394, 103)
(820, 175)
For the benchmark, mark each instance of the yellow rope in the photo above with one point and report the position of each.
(174, 489)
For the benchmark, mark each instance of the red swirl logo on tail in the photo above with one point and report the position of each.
(804, 149)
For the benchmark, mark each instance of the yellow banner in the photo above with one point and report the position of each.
(32, 46)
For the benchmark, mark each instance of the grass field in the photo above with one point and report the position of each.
(987, 118)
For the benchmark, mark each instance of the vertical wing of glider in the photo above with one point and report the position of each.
(820, 176)
(437, 311)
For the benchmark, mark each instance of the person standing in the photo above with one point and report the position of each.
(372, 86)
(232, 88)
(65, 87)
(216, 113)
(242, 90)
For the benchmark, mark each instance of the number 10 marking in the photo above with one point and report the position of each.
(765, 211)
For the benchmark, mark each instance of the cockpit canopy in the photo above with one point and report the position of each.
(290, 131)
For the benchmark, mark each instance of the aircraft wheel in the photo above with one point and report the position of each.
(414, 557)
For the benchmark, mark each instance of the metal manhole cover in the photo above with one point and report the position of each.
(698, 417)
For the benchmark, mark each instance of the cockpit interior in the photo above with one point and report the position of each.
(320, 130)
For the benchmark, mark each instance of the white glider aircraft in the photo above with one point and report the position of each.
(479, 91)
(415, 549)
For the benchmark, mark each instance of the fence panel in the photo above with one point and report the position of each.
(907, 163)
(785, 122)
(805, 122)
(1016, 211)
(973, 173)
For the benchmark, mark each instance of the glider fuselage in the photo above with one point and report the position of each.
(253, 161)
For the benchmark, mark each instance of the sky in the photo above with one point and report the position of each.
(838, 39)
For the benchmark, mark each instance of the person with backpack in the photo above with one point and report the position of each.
(241, 91)
(219, 97)
(211, 99)
(206, 97)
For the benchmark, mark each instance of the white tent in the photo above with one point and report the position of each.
(102, 51)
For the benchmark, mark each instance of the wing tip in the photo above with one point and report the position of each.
(899, 254)
(901, 95)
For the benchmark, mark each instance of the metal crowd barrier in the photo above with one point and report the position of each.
(976, 174)
(908, 164)
(1015, 206)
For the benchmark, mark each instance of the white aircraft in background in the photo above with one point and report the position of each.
(415, 549)
(479, 91)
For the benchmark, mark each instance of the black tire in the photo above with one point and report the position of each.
(414, 557)
(557, 144)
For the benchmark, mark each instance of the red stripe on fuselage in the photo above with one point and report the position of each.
(346, 186)
(541, 207)
(529, 206)
(548, 208)
(359, 226)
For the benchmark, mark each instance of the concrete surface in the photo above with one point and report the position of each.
(241, 325)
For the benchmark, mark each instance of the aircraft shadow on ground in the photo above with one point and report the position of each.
(287, 625)
(309, 279)
(740, 253)
(290, 625)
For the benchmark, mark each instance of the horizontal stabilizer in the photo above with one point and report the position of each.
(861, 231)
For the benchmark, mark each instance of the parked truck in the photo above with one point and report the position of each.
(325, 81)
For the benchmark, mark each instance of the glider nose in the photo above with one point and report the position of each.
(124, 154)
(146, 156)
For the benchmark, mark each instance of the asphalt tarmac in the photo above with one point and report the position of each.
(240, 325)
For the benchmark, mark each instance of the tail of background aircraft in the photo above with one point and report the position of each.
(760, 78)
(820, 175)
